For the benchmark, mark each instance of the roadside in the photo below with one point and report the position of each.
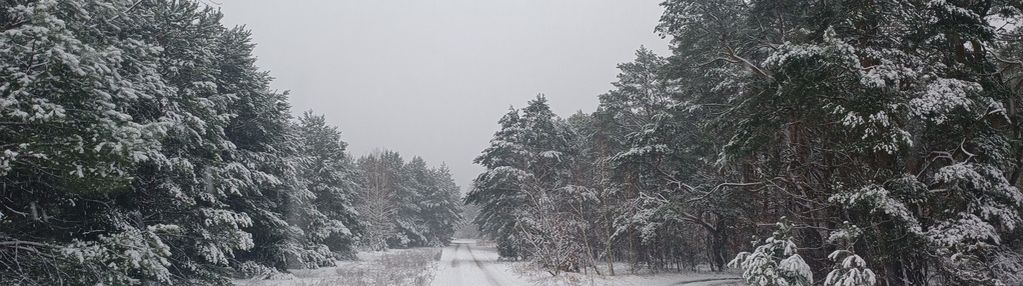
(660, 279)
(392, 267)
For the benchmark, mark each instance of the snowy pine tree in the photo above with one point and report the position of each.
(142, 145)
(406, 204)
(497, 191)
(442, 211)
(774, 262)
(326, 213)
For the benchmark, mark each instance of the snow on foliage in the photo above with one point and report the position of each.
(850, 269)
(993, 205)
(941, 97)
(774, 262)
(126, 253)
(879, 200)
(156, 111)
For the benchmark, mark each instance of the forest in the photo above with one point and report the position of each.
(801, 142)
(838, 143)
(141, 146)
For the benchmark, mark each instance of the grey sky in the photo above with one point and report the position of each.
(431, 78)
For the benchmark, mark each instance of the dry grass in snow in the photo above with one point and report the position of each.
(393, 267)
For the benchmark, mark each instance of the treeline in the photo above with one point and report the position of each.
(407, 203)
(141, 145)
(857, 142)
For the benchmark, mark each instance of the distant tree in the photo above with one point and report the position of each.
(377, 203)
(442, 210)
(406, 204)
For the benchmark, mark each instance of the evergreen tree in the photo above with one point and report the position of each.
(327, 214)
(850, 111)
(497, 191)
(441, 207)
(261, 132)
(406, 204)
(376, 203)
(142, 145)
(70, 143)
(527, 188)
(411, 190)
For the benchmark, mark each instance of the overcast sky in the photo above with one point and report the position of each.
(430, 77)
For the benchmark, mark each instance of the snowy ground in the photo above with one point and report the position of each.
(393, 267)
(468, 263)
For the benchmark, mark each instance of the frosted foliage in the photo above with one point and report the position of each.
(993, 205)
(217, 247)
(967, 231)
(905, 105)
(155, 109)
(876, 125)
(551, 155)
(46, 69)
(774, 263)
(832, 48)
(123, 255)
(637, 152)
(980, 178)
(1008, 264)
(851, 270)
(879, 200)
(941, 97)
(960, 237)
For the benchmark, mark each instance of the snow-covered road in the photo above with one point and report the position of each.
(467, 263)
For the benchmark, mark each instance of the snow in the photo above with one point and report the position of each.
(941, 97)
(468, 262)
(414, 266)
(880, 200)
(471, 263)
(622, 279)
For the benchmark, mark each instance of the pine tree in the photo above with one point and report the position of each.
(327, 214)
(775, 262)
(526, 195)
(141, 145)
(497, 191)
(165, 120)
(406, 204)
(856, 111)
(441, 207)
(411, 190)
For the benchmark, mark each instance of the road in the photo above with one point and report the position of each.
(465, 262)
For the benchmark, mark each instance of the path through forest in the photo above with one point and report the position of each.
(465, 262)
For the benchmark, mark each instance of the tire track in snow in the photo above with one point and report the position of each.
(479, 264)
(454, 254)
